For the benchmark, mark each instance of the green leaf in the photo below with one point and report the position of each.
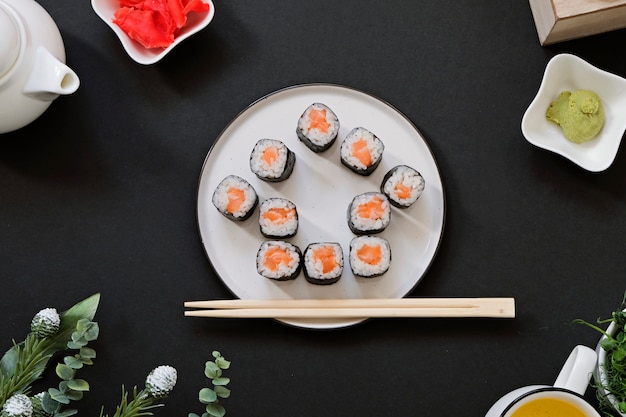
(222, 392)
(58, 396)
(73, 362)
(215, 410)
(78, 385)
(212, 371)
(192, 415)
(87, 353)
(48, 404)
(66, 413)
(74, 395)
(207, 396)
(222, 363)
(65, 372)
(221, 381)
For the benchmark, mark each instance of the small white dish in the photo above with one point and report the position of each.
(600, 375)
(140, 54)
(566, 72)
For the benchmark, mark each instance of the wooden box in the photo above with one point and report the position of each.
(561, 20)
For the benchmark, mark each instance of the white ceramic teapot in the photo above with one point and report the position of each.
(32, 63)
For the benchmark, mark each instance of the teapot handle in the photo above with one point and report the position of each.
(50, 77)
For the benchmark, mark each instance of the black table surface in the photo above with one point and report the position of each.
(99, 195)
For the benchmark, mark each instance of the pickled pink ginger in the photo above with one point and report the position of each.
(155, 23)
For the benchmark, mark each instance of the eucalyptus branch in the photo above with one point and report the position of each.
(210, 396)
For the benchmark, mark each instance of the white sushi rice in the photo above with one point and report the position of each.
(260, 167)
(220, 196)
(316, 136)
(286, 228)
(374, 145)
(314, 268)
(284, 270)
(370, 223)
(362, 268)
(408, 177)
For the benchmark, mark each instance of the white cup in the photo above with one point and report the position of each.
(570, 386)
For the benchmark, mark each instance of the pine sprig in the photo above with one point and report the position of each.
(159, 384)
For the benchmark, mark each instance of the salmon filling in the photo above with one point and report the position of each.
(361, 151)
(275, 257)
(373, 209)
(236, 197)
(326, 257)
(317, 120)
(279, 215)
(370, 255)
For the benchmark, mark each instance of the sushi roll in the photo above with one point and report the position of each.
(369, 213)
(403, 185)
(361, 151)
(235, 198)
(278, 260)
(318, 127)
(278, 218)
(271, 160)
(370, 256)
(323, 263)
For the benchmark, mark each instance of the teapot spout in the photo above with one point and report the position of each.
(50, 77)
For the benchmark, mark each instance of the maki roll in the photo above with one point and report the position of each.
(271, 160)
(235, 198)
(361, 151)
(278, 260)
(323, 263)
(278, 218)
(369, 213)
(403, 185)
(318, 127)
(370, 256)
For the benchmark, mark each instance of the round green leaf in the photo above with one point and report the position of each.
(222, 391)
(64, 372)
(221, 381)
(212, 371)
(73, 362)
(78, 385)
(207, 396)
(222, 363)
(215, 410)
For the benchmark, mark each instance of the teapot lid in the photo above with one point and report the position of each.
(9, 41)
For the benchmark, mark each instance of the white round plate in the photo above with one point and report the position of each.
(322, 188)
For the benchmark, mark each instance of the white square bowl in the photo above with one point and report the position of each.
(140, 54)
(566, 72)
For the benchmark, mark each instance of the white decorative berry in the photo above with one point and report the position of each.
(18, 405)
(46, 323)
(161, 381)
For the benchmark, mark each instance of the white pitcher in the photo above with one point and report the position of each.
(32, 63)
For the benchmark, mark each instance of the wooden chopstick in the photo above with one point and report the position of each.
(355, 308)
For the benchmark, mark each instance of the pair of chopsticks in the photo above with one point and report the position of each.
(354, 308)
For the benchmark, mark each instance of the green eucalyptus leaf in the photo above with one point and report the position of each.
(65, 372)
(48, 404)
(212, 371)
(87, 353)
(74, 395)
(58, 396)
(73, 362)
(207, 396)
(192, 415)
(66, 413)
(222, 363)
(78, 385)
(76, 345)
(221, 381)
(215, 410)
(222, 391)
(92, 332)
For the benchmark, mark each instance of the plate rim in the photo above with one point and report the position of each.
(347, 322)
